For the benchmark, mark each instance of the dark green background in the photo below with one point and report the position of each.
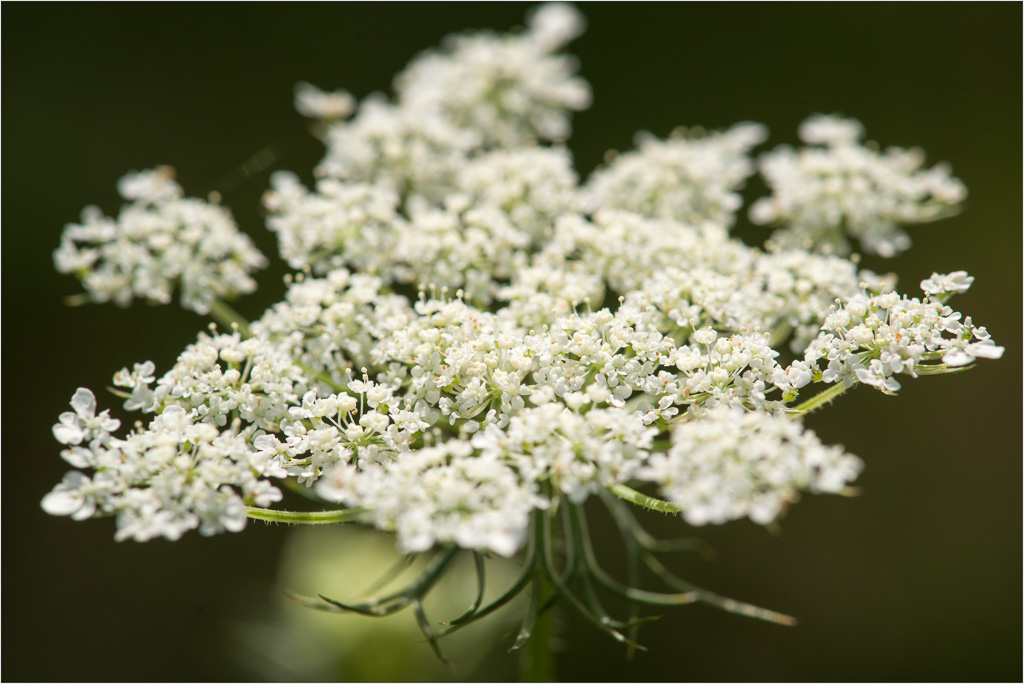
(917, 579)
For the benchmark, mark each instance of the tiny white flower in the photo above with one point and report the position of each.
(705, 336)
(879, 375)
(944, 285)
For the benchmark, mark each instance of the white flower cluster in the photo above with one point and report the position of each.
(691, 178)
(475, 335)
(159, 242)
(325, 431)
(483, 91)
(339, 225)
(499, 207)
(577, 453)
(780, 293)
(330, 325)
(871, 338)
(441, 494)
(173, 476)
(510, 90)
(840, 186)
(223, 376)
(733, 464)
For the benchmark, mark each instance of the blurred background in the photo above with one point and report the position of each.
(919, 578)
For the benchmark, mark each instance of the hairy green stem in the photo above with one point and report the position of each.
(642, 500)
(818, 400)
(304, 517)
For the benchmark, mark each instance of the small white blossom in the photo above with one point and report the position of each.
(156, 185)
(74, 496)
(942, 286)
(84, 425)
(400, 149)
(828, 130)
(554, 24)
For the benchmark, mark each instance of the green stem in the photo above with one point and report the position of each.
(727, 604)
(538, 659)
(563, 592)
(229, 318)
(537, 663)
(818, 400)
(632, 547)
(940, 369)
(304, 517)
(642, 500)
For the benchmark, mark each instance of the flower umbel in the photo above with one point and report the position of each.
(476, 342)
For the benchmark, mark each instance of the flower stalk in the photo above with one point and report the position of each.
(304, 517)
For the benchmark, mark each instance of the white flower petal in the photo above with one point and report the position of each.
(84, 403)
(61, 502)
(68, 434)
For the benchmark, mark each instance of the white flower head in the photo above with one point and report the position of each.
(692, 177)
(150, 186)
(442, 494)
(870, 338)
(175, 475)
